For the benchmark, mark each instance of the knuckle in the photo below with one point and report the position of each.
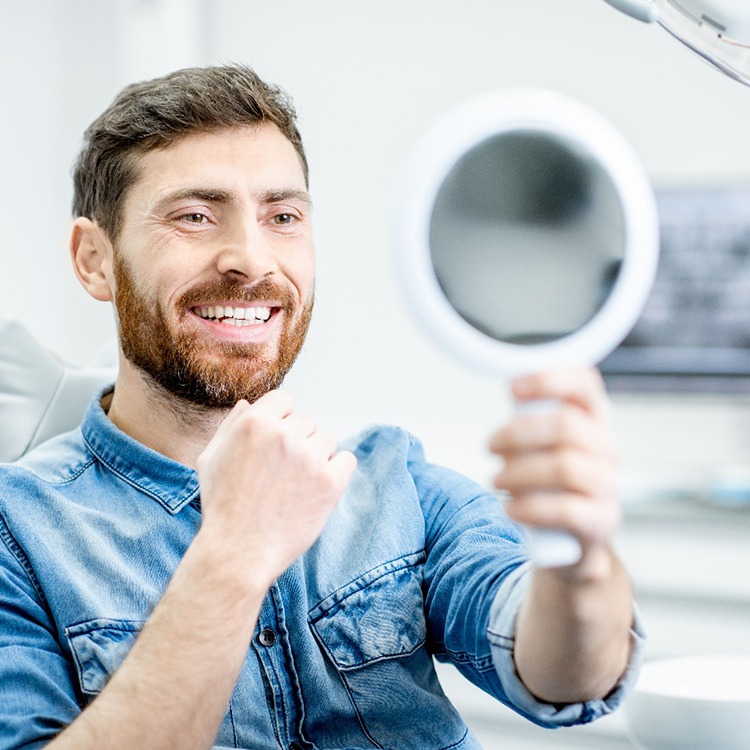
(568, 468)
(329, 444)
(571, 515)
(568, 425)
(288, 442)
(283, 398)
(594, 378)
(602, 486)
(201, 463)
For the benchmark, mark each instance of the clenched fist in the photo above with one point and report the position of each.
(269, 481)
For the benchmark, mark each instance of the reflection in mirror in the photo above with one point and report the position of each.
(527, 236)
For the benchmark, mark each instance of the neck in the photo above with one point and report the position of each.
(169, 425)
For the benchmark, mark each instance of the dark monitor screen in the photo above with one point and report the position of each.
(694, 333)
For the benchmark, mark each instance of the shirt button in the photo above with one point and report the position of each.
(267, 637)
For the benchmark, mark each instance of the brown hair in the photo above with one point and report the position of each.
(154, 114)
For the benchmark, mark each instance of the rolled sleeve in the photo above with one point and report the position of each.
(501, 635)
(37, 697)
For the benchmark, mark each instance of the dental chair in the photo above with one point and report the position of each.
(39, 396)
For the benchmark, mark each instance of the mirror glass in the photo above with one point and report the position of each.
(526, 234)
(527, 237)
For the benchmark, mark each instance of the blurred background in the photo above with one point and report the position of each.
(368, 79)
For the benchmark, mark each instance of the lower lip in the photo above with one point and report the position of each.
(253, 333)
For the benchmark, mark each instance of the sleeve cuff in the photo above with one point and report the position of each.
(501, 636)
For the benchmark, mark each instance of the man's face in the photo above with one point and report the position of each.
(213, 267)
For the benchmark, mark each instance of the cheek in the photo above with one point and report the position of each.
(148, 293)
(303, 277)
(309, 290)
(167, 282)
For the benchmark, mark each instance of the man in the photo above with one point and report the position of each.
(198, 565)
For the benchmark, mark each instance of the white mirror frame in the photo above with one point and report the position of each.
(456, 133)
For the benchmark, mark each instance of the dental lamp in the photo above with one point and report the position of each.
(717, 30)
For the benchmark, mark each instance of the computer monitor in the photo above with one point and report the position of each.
(694, 333)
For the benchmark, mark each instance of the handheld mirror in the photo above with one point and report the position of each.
(527, 240)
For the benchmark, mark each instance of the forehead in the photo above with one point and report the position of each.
(238, 158)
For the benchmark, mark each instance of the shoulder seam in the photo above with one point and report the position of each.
(75, 475)
(19, 555)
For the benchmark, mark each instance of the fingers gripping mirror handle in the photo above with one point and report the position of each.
(550, 548)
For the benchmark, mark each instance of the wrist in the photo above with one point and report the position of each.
(597, 565)
(223, 569)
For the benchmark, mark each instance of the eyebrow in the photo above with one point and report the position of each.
(201, 194)
(210, 195)
(279, 196)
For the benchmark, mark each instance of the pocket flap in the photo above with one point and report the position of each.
(378, 616)
(99, 647)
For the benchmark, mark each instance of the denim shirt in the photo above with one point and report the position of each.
(415, 563)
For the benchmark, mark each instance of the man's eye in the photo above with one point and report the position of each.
(284, 219)
(194, 218)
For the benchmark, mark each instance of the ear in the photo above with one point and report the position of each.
(91, 252)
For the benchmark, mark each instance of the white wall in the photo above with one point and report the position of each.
(368, 79)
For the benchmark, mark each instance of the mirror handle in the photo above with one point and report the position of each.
(550, 548)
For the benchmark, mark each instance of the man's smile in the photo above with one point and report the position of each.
(237, 316)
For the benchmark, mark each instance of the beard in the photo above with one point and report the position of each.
(214, 374)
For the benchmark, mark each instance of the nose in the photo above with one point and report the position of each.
(246, 252)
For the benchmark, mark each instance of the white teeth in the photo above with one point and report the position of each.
(235, 322)
(235, 315)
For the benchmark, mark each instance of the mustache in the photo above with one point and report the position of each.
(264, 289)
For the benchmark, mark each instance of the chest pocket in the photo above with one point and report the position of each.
(374, 633)
(99, 647)
(377, 616)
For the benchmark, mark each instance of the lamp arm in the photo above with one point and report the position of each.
(643, 10)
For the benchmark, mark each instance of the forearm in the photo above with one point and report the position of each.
(173, 689)
(573, 633)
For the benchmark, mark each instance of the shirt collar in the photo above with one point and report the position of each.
(170, 483)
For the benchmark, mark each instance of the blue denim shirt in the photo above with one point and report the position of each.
(416, 562)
